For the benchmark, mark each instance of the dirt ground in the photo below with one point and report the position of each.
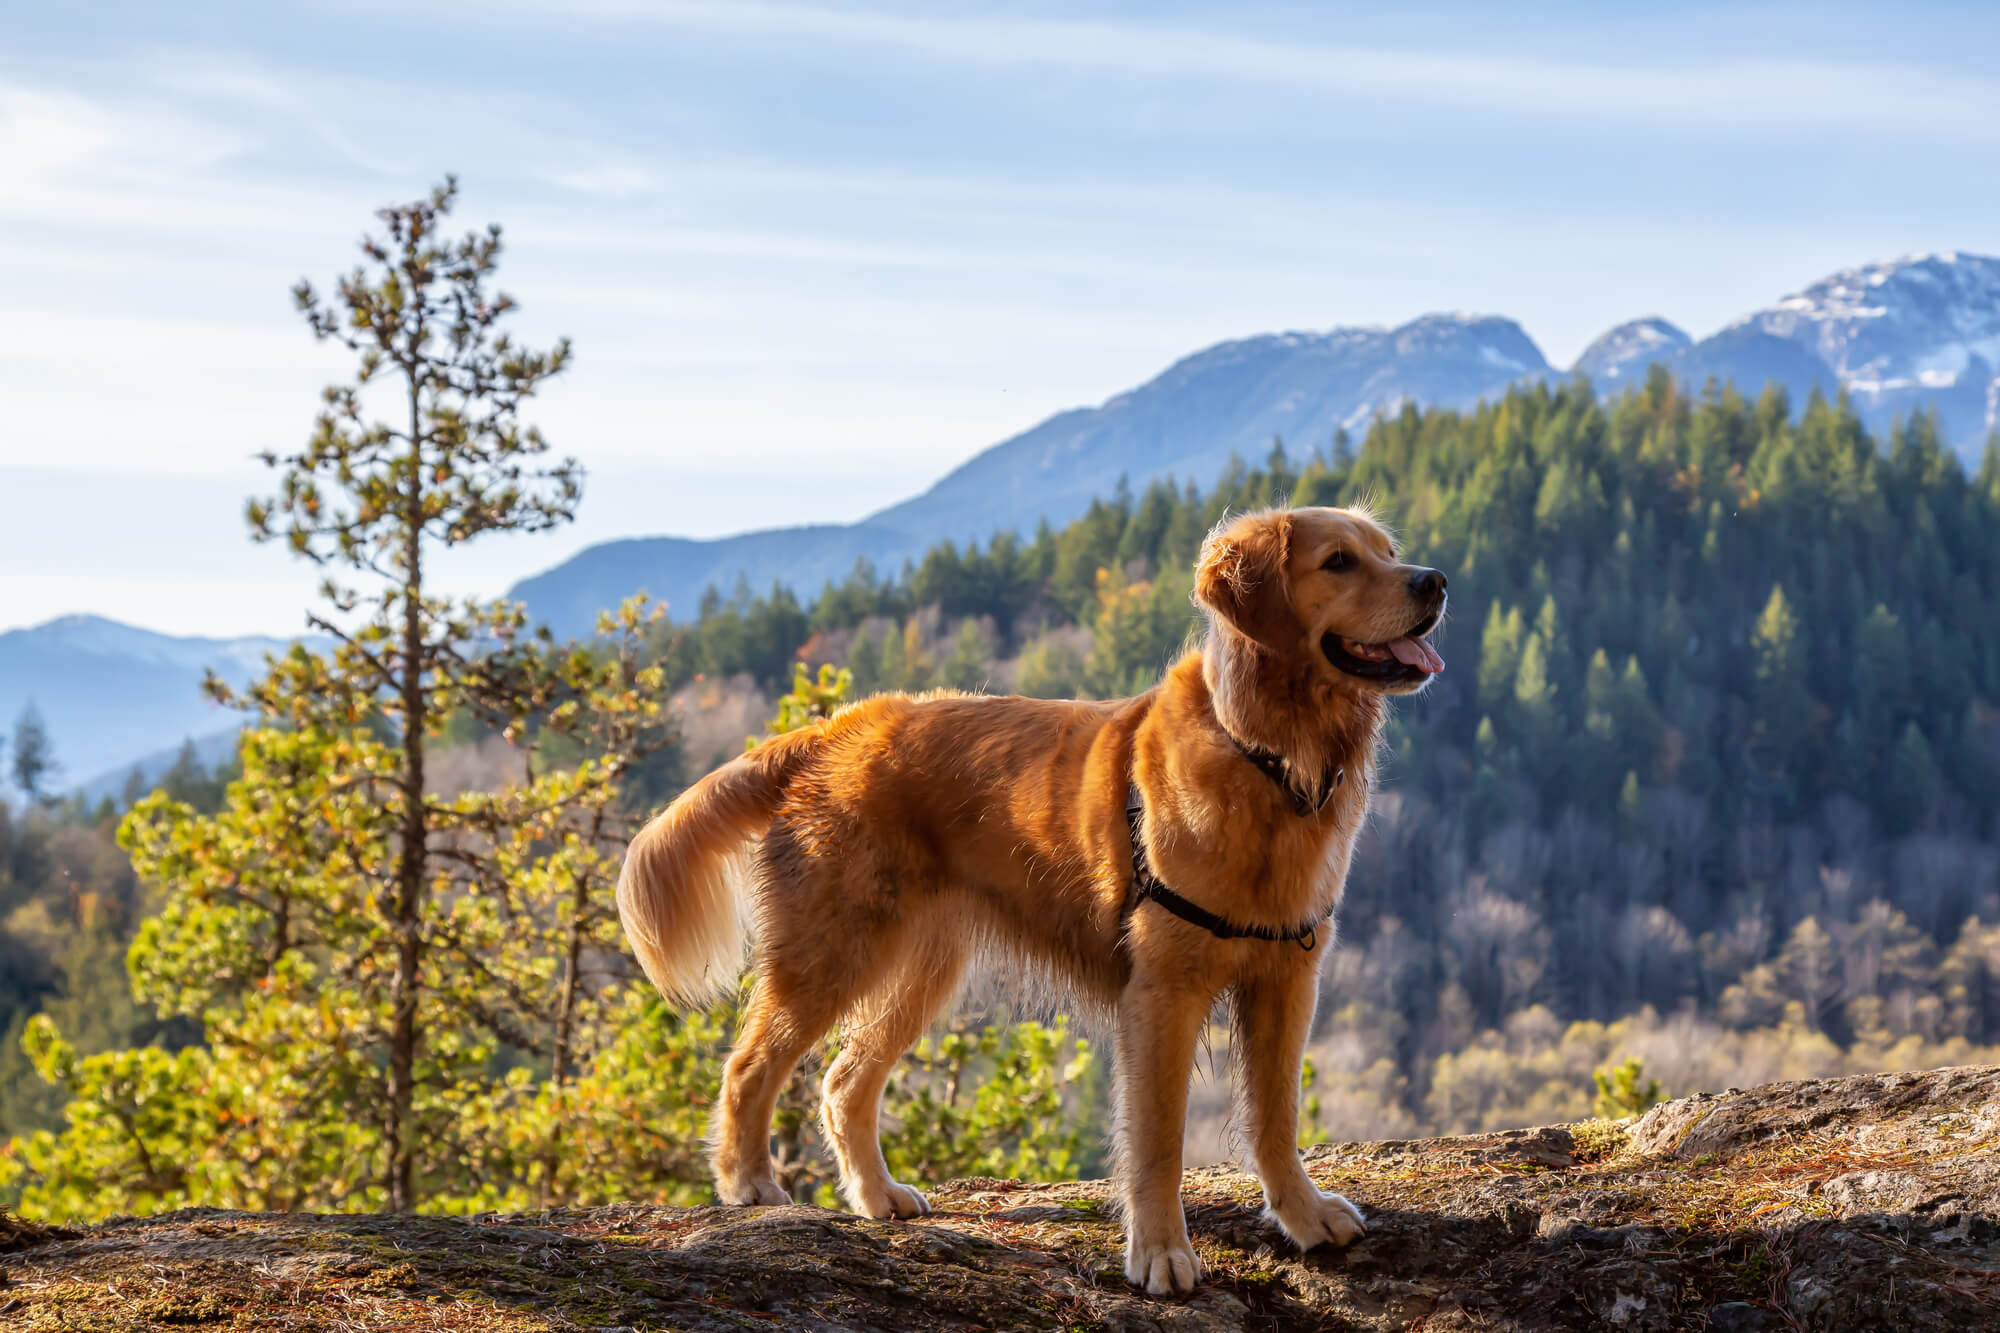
(1847, 1204)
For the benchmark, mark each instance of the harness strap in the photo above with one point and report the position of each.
(1277, 768)
(1146, 887)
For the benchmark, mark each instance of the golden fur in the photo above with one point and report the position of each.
(876, 854)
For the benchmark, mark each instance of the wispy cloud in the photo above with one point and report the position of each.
(1751, 94)
(49, 134)
(238, 89)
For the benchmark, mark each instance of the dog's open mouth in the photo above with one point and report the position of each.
(1404, 659)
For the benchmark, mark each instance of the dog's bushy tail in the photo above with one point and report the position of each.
(683, 894)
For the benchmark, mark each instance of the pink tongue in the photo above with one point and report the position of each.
(1417, 653)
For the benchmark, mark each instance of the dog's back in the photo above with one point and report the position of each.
(998, 814)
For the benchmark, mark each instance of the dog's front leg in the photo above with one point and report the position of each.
(1158, 1025)
(1273, 1013)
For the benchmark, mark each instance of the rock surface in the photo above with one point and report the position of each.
(1859, 1203)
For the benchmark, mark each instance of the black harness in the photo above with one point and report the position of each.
(1146, 886)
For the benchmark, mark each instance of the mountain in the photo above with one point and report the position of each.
(1900, 336)
(1231, 399)
(110, 693)
(1913, 332)
(678, 569)
(1622, 355)
(1906, 334)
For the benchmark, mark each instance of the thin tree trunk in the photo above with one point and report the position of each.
(281, 931)
(572, 984)
(411, 863)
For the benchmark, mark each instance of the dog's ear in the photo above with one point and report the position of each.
(1241, 577)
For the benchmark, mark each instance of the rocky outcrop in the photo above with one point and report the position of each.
(1847, 1204)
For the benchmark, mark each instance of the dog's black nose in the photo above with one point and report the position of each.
(1426, 585)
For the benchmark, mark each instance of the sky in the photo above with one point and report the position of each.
(813, 256)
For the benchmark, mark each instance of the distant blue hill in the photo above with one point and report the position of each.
(210, 751)
(112, 694)
(678, 569)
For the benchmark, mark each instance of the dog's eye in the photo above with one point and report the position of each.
(1338, 562)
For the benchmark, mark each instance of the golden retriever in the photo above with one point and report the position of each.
(1120, 848)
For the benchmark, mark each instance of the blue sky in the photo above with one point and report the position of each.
(813, 256)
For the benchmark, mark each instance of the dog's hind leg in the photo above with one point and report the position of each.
(779, 1025)
(827, 936)
(880, 1029)
(803, 984)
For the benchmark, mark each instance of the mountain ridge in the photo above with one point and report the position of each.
(1227, 400)
(1901, 335)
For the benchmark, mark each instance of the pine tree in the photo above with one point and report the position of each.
(1535, 704)
(1810, 970)
(189, 782)
(377, 496)
(1882, 676)
(34, 763)
(919, 671)
(1631, 806)
(1913, 781)
(895, 670)
(1602, 725)
(1049, 668)
(399, 937)
(864, 661)
(1137, 627)
(970, 665)
(1499, 656)
(1558, 660)
(1782, 701)
(1601, 698)
(1638, 717)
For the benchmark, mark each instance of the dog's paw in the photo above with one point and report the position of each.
(1318, 1219)
(1163, 1268)
(892, 1200)
(746, 1192)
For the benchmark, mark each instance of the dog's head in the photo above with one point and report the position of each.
(1325, 585)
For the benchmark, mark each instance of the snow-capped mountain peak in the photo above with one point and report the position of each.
(1920, 333)
(1624, 352)
(1919, 322)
